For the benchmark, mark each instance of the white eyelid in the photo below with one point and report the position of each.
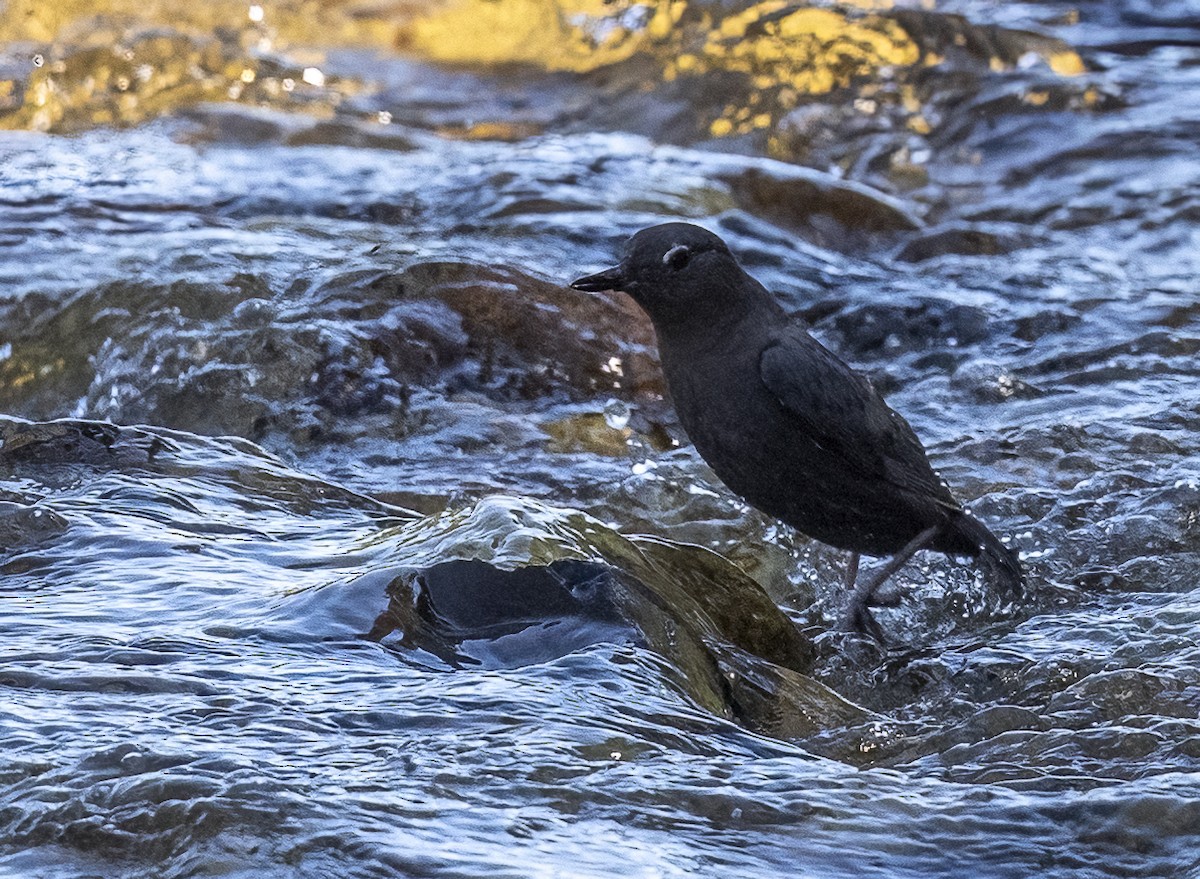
(671, 253)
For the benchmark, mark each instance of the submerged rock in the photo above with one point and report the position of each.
(28, 523)
(512, 582)
(388, 350)
(506, 583)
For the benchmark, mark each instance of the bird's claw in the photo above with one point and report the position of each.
(859, 619)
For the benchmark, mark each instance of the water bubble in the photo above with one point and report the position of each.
(288, 84)
(248, 75)
(1028, 60)
(615, 755)
(255, 13)
(38, 60)
(254, 312)
(616, 414)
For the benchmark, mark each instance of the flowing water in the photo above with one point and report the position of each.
(339, 538)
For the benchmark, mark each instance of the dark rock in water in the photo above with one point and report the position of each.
(512, 582)
(507, 583)
(22, 524)
(1034, 326)
(32, 448)
(875, 329)
(243, 359)
(531, 338)
(941, 33)
(961, 241)
(248, 126)
(468, 612)
(352, 133)
(47, 457)
(991, 382)
(234, 123)
(828, 210)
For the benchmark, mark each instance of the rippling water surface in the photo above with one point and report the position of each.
(409, 569)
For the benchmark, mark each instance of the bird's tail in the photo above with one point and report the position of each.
(1000, 563)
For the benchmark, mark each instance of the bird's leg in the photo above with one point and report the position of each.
(858, 615)
(852, 571)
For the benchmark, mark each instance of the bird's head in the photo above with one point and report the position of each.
(677, 273)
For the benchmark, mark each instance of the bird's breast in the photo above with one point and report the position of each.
(728, 414)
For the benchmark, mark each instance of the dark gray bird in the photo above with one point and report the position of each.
(785, 423)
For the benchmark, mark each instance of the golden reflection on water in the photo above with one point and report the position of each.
(578, 35)
(807, 51)
(119, 62)
(291, 22)
(783, 51)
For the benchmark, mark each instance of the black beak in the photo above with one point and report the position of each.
(609, 279)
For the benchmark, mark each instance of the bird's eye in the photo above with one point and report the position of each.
(677, 257)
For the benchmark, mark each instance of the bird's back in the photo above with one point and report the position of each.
(787, 425)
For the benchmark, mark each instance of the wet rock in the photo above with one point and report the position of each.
(22, 524)
(359, 134)
(945, 35)
(25, 446)
(470, 613)
(505, 583)
(511, 582)
(242, 359)
(588, 432)
(1108, 696)
(555, 338)
(141, 61)
(688, 71)
(991, 382)
(123, 77)
(824, 208)
(53, 456)
(960, 241)
(248, 125)
(886, 329)
(1032, 327)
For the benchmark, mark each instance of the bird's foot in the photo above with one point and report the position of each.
(858, 618)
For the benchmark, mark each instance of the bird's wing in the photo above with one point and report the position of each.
(839, 410)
